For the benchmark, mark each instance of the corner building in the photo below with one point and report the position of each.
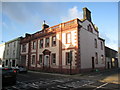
(69, 47)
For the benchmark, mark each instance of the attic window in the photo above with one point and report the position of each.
(89, 28)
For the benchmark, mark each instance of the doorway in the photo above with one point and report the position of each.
(46, 60)
(93, 64)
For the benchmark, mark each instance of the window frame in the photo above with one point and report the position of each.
(67, 58)
(101, 45)
(95, 43)
(7, 51)
(53, 59)
(53, 40)
(34, 45)
(68, 38)
(41, 44)
(96, 58)
(90, 28)
(33, 63)
(14, 52)
(40, 61)
(47, 44)
(24, 48)
(102, 59)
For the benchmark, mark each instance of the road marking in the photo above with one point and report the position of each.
(87, 84)
(100, 86)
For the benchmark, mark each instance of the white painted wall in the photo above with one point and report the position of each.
(14, 45)
(2, 48)
(87, 47)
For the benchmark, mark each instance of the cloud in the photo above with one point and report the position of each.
(4, 25)
(109, 41)
(72, 14)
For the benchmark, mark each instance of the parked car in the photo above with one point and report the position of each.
(22, 69)
(16, 69)
(8, 75)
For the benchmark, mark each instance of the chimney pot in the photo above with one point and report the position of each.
(86, 14)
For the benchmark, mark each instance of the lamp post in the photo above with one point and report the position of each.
(70, 56)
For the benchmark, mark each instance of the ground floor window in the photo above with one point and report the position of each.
(53, 58)
(13, 63)
(33, 59)
(102, 59)
(96, 57)
(67, 58)
(23, 59)
(6, 63)
(40, 58)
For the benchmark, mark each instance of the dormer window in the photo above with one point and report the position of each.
(89, 28)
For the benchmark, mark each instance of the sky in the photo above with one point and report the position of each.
(19, 18)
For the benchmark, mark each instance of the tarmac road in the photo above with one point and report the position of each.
(107, 80)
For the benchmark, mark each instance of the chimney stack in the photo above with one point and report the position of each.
(86, 14)
(44, 26)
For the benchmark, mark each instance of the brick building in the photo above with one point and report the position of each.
(70, 47)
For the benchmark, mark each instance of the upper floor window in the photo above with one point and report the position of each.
(40, 58)
(47, 42)
(7, 52)
(68, 37)
(34, 44)
(89, 28)
(95, 43)
(54, 41)
(14, 44)
(33, 59)
(24, 48)
(54, 58)
(13, 52)
(8, 44)
(96, 57)
(101, 45)
(41, 43)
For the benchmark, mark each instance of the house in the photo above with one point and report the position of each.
(2, 48)
(11, 56)
(111, 58)
(70, 47)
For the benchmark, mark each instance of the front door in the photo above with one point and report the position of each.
(46, 60)
(93, 65)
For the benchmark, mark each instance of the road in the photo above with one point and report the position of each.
(107, 80)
